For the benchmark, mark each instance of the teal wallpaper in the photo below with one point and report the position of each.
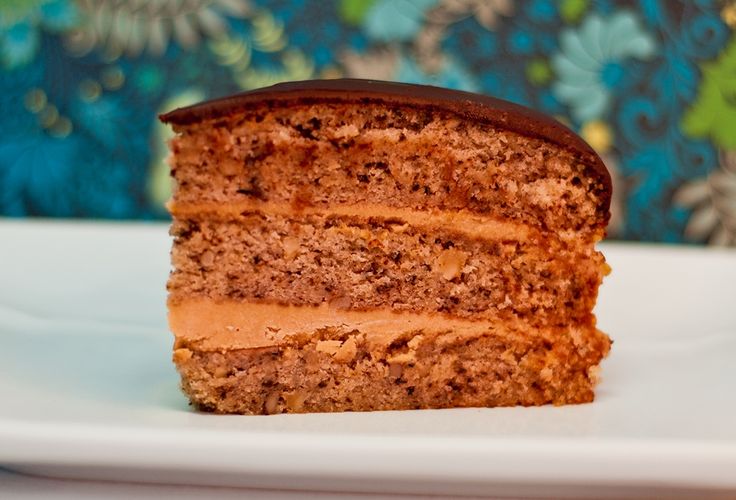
(650, 84)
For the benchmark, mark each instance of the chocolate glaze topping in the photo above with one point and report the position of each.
(496, 112)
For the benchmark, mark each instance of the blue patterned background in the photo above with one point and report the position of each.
(651, 85)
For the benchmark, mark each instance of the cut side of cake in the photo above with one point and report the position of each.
(352, 245)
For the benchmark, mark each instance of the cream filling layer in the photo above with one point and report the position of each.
(211, 325)
(460, 221)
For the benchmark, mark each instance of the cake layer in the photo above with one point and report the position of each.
(325, 154)
(370, 262)
(339, 361)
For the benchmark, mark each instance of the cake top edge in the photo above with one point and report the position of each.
(468, 105)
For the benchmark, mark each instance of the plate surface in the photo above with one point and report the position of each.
(87, 388)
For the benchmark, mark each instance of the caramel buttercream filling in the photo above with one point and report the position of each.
(483, 227)
(230, 324)
(464, 222)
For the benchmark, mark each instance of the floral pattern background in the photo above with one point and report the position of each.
(650, 84)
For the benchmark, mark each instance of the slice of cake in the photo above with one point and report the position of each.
(359, 245)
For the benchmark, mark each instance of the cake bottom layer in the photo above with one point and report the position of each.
(327, 371)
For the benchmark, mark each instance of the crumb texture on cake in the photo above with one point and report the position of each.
(338, 252)
(327, 154)
(339, 369)
(358, 263)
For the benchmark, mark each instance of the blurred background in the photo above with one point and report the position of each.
(650, 84)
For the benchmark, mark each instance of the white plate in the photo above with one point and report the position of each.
(87, 388)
